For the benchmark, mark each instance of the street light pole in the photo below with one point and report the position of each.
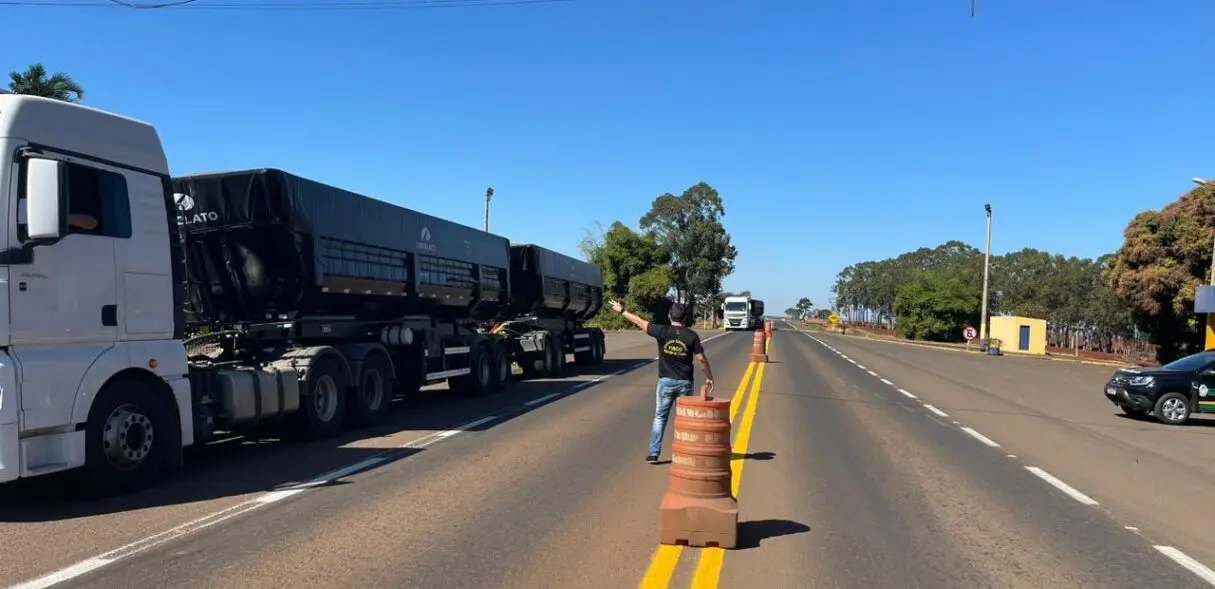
(489, 193)
(986, 268)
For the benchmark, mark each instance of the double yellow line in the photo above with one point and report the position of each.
(708, 569)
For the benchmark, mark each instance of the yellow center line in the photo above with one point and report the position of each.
(708, 569)
(666, 558)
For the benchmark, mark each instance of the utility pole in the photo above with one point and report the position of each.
(489, 194)
(986, 267)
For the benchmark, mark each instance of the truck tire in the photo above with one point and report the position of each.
(127, 438)
(1172, 409)
(557, 343)
(600, 347)
(481, 372)
(371, 400)
(501, 366)
(587, 357)
(323, 406)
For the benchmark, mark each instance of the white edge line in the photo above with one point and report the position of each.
(908, 394)
(64, 574)
(544, 398)
(980, 437)
(935, 410)
(1062, 486)
(861, 366)
(887, 382)
(1190, 564)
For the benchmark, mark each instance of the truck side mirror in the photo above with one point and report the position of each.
(44, 199)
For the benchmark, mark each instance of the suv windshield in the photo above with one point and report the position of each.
(1189, 363)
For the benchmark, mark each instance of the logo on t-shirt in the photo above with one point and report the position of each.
(675, 348)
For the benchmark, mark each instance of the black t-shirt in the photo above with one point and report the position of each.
(676, 346)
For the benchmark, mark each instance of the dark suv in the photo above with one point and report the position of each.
(1170, 393)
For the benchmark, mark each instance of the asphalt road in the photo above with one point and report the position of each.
(844, 482)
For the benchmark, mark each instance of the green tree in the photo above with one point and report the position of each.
(804, 306)
(634, 270)
(936, 304)
(689, 228)
(35, 82)
(1164, 258)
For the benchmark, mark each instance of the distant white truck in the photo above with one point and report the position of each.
(742, 313)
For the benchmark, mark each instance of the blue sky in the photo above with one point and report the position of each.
(837, 131)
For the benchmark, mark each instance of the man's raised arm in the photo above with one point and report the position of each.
(641, 324)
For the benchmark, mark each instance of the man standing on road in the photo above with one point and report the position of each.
(677, 345)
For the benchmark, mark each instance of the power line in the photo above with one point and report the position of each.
(237, 5)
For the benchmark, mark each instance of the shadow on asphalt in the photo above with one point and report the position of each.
(752, 533)
(1151, 423)
(753, 456)
(240, 466)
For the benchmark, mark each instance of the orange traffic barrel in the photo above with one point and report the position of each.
(699, 508)
(759, 347)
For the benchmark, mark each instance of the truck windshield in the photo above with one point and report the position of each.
(736, 306)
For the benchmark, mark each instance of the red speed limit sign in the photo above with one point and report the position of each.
(970, 333)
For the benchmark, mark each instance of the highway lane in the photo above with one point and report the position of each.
(860, 486)
(1155, 478)
(557, 496)
(846, 483)
(44, 528)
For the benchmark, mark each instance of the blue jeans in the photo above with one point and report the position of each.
(664, 397)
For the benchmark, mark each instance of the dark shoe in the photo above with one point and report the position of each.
(652, 459)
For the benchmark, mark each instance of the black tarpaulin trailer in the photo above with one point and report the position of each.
(548, 284)
(268, 245)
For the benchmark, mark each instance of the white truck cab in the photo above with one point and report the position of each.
(736, 312)
(92, 365)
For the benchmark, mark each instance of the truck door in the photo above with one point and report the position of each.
(63, 302)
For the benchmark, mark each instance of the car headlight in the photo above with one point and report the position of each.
(1142, 381)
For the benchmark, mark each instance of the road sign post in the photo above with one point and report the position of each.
(834, 319)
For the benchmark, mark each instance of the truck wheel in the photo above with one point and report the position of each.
(127, 438)
(480, 377)
(501, 366)
(557, 341)
(371, 400)
(587, 357)
(323, 408)
(1172, 409)
(600, 341)
(543, 361)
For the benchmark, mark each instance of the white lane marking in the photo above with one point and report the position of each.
(861, 366)
(980, 437)
(908, 394)
(871, 373)
(65, 574)
(1012, 455)
(845, 357)
(1190, 564)
(887, 382)
(1132, 528)
(541, 399)
(1062, 486)
(853, 361)
(935, 410)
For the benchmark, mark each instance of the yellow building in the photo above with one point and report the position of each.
(1019, 335)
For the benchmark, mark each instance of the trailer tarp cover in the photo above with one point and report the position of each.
(292, 233)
